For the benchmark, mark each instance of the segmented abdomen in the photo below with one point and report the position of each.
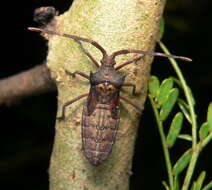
(98, 133)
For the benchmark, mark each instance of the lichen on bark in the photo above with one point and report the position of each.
(116, 25)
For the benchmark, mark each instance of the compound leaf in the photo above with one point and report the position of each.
(182, 162)
(174, 130)
(169, 104)
(154, 85)
(204, 130)
(164, 90)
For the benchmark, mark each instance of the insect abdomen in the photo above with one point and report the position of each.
(98, 133)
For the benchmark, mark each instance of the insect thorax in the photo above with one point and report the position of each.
(106, 84)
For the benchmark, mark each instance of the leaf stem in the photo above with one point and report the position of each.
(190, 170)
(194, 157)
(164, 145)
(189, 99)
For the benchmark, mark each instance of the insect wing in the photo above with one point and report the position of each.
(99, 131)
(91, 103)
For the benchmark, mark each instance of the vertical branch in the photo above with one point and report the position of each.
(115, 25)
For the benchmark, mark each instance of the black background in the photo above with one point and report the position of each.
(27, 128)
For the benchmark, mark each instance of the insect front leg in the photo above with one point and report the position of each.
(131, 103)
(62, 117)
(79, 73)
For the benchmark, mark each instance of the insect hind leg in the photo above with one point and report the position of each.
(79, 73)
(62, 117)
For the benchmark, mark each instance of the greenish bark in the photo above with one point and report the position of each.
(115, 24)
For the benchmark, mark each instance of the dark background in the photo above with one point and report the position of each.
(27, 128)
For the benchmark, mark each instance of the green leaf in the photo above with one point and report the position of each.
(174, 130)
(162, 27)
(183, 106)
(200, 180)
(164, 90)
(204, 130)
(185, 137)
(169, 104)
(154, 85)
(209, 116)
(182, 162)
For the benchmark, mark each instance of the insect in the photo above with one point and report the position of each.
(101, 113)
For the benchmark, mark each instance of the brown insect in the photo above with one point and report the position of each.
(101, 113)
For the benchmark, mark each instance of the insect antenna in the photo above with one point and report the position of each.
(126, 51)
(104, 53)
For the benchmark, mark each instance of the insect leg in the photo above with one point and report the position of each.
(129, 84)
(79, 73)
(128, 62)
(68, 103)
(88, 54)
(131, 103)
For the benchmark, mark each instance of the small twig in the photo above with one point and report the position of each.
(31, 82)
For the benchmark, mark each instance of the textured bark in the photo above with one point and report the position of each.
(115, 24)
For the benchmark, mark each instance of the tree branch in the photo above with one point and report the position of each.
(115, 25)
(32, 82)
